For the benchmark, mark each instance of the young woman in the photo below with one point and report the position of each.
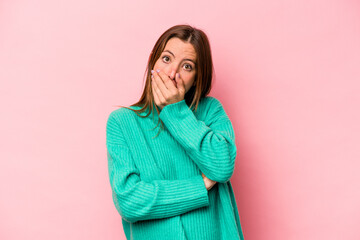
(175, 184)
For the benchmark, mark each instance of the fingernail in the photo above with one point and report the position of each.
(152, 71)
(158, 70)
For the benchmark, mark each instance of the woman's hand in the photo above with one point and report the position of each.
(208, 182)
(165, 90)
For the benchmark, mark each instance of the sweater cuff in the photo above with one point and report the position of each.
(178, 113)
(201, 191)
(183, 125)
(175, 106)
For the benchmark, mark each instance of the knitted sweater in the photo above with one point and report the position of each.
(156, 183)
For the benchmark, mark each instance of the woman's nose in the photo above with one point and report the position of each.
(172, 74)
(171, 71)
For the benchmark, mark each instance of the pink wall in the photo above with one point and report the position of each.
(287, 73)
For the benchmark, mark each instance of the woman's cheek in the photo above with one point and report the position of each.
(157, 65)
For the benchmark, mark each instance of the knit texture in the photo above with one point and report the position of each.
(156, 183)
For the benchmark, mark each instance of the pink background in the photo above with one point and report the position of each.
(287, 73)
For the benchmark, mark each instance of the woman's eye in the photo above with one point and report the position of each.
(188, 67)
(166, 58)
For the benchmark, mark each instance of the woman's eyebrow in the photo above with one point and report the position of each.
(174, 56)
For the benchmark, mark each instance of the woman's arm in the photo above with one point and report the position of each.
(211, 147)
(137, 200)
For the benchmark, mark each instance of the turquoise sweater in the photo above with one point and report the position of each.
(156, 183)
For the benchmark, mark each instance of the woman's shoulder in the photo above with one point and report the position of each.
(206, 104)
(212, 110)
(210, 100)
(123, 113)
(210, 103)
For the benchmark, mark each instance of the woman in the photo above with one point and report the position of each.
(176, 184)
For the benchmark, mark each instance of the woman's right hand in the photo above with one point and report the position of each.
(208, 182)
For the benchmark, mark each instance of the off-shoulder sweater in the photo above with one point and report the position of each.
(157, 184)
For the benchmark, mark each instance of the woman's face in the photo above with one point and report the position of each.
(178, 57)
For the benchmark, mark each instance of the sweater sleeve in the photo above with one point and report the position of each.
(212, 147)
(137, 200)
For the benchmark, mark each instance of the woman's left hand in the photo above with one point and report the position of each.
(208, 182)
(165, 91)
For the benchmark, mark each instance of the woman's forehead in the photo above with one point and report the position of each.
(180, 48)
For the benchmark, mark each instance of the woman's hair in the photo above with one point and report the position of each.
(204, 68)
